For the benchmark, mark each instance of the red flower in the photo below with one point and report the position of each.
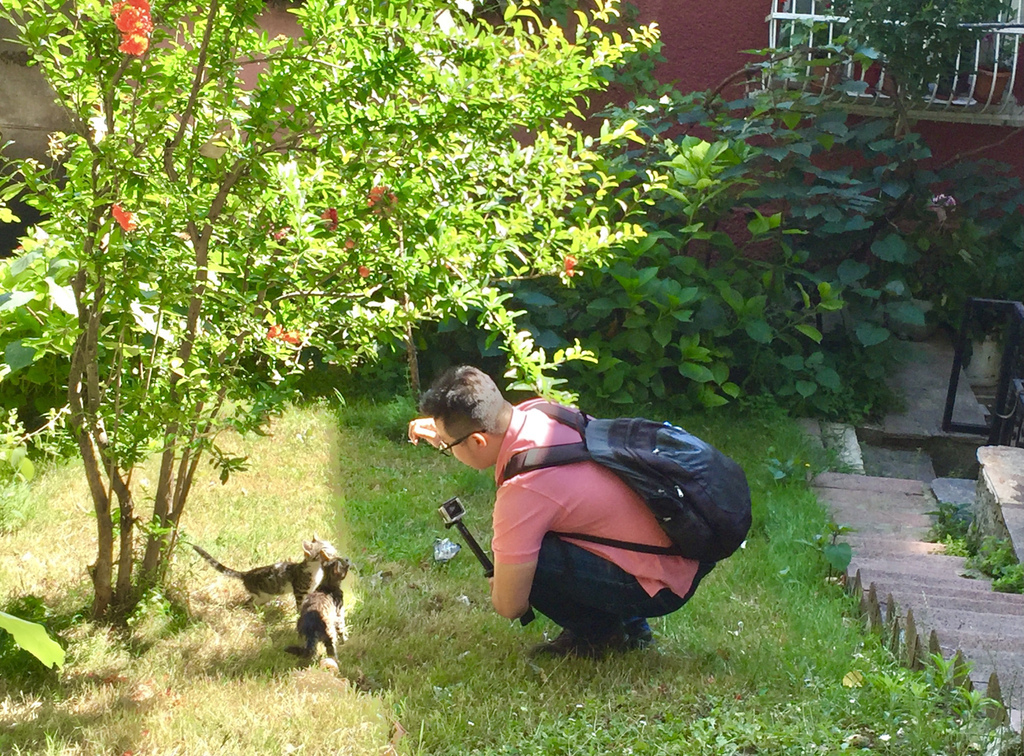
(134, 44)
(381, 199)
(292, 337)
(331, 216)
(570, 265)
(364, 271)
(123, 217)
(281, 233)
(275, 332)
(135, 24)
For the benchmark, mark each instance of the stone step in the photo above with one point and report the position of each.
(938, 566)
(908, 526)
(925, 599)
(868, 484)
(938, 586)
(1009, 665)
(1005, 628)
(870, 545)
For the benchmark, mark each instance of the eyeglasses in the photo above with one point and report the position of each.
(446, 449)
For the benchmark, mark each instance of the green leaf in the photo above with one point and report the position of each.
(15, 299)
(26, 469)
(906, 312)
(891, 248)
(63, 297)
(810, 332)
(638, 340)
(33, 638)
(759, 331)
(870, 334)
(850, 271)
(792, 362)
(18, 356)
(838, 555)
(806, 388)
(662, 332)
(601, 308)
(791, 119)
(759, 225)
(829, 378)
(732, 298)
(695, 372)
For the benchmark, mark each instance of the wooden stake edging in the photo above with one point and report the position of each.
(996, 710)
(915, 654)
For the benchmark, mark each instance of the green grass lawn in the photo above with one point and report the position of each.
(759, 661)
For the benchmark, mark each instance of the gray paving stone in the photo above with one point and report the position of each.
(924, 375)
(867, 483)
(957, 491)
(913, 464)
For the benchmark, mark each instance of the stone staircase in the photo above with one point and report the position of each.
(908, 575)
(926, 601)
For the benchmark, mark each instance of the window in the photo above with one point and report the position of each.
(980, 88)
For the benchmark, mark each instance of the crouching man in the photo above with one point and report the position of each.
(600, 595)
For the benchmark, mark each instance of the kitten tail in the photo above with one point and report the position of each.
(217, 565)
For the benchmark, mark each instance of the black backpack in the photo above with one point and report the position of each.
(698, 495)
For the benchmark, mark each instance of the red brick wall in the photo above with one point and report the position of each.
(703, 42)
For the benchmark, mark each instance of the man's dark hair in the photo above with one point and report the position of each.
(465, 400)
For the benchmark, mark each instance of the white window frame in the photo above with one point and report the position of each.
(962, 103)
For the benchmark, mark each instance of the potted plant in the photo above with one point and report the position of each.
(995, 63)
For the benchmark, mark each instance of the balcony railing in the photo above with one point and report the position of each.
(965, 96)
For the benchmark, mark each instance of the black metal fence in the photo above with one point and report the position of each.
(1006, 425)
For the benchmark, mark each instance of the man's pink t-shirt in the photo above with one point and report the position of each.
(579, 498)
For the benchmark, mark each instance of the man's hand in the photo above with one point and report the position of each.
(424, 428)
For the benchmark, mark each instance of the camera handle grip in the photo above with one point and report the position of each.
(486, 563)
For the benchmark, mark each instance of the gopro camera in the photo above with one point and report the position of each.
(451, 511)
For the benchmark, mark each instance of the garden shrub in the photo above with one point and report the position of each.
(786, 252)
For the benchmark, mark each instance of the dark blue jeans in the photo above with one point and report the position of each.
(592, 597)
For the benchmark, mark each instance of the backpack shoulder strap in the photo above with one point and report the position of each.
(544, 456)
(551, 456)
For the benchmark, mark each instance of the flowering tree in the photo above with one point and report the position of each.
(387, 165)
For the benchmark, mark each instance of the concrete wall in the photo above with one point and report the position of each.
(27, 110)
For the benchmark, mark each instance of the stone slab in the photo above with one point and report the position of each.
(924, 375)
(925, 600)
(1007, 628)
(1014, 519)
(911, 464)
(1003, 470)
(881, 545)
(842, 439)
(958, 491)
(999, 509)
(867, 483)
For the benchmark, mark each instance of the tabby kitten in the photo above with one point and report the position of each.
(322, 617)
(263, 583)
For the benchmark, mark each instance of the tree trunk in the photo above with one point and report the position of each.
(102, 570)
(161, 508)
(414, 364)
(123, 595)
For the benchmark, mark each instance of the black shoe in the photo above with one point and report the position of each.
(569, 643)
(639, 636)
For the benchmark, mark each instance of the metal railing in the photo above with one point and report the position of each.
(1005, 428)
(1016, 430)
(963, 96)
